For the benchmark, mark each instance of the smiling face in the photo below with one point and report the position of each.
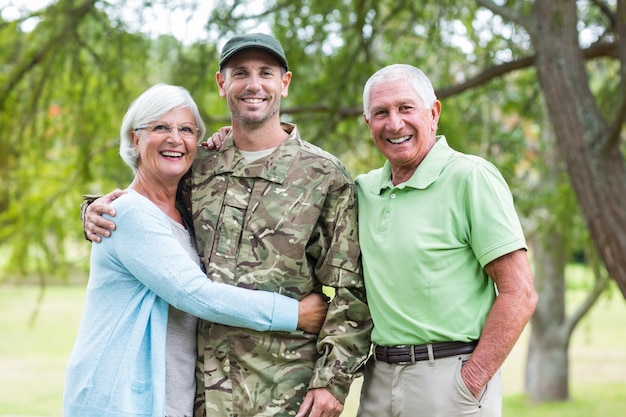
(253, 83)
(166, 156)
(403, 128)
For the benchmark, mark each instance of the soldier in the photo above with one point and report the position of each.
(270, 204)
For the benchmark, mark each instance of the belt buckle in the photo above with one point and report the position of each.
(411, 355)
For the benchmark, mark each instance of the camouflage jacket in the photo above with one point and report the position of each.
(284, 223)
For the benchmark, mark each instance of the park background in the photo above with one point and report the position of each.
(536, 87)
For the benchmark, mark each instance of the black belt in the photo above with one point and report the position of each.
(412, 354)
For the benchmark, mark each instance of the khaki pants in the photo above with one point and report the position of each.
(426, 389)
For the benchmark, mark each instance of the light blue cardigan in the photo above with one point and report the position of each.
(117, 365)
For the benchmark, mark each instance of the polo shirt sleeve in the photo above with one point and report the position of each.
(495, 229)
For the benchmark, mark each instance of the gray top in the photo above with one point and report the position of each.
(180, 349)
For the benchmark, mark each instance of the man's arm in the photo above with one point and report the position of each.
(509, 314)
(95, 226)
(345, 337)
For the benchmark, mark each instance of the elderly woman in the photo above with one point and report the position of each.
(135, 351)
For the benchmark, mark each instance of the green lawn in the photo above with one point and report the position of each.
(35, 340)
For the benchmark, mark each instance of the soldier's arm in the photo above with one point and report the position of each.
(94, 225)
(345, 337)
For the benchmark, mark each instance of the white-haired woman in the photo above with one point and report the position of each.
(135, 351)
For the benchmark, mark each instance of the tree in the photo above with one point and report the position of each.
(589, 140)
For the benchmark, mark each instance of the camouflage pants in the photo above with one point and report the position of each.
(243, 373)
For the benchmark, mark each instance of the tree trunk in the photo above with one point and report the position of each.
(547, 364)
(588, 143)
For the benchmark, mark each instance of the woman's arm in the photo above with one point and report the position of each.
(145, 245)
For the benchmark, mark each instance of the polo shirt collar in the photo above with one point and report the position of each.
(426, 173)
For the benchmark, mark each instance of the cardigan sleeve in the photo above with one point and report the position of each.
(145, 245)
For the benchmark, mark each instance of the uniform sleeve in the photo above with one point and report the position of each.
(87, 200)
(145, 244)
(344, 341)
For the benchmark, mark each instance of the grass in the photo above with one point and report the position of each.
(35, 340)
(589, 400)
(36, 337)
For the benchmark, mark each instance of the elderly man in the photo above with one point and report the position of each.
(449, 284)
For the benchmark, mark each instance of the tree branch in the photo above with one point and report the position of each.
(601, 282)
(506, 12)
(606, 10)
(594, 51)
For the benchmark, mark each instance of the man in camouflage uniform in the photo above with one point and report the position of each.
(270, 204)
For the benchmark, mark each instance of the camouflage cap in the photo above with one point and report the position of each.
(253, 40)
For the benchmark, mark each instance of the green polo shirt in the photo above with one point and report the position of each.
(425, 242)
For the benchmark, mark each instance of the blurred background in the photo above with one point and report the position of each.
(536, 87)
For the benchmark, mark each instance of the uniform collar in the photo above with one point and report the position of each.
(273, 167)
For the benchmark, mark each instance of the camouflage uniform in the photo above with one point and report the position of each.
(284, 223)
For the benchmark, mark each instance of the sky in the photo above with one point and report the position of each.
(185, 24)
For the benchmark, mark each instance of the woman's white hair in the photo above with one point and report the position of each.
(150, 106)
(394, 72)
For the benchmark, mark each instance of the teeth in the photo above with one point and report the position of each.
(253, 100)
(172, 154)
(399, 140)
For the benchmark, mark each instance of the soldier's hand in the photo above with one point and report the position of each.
(217, 139)
(320, 402)
(96, 226)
